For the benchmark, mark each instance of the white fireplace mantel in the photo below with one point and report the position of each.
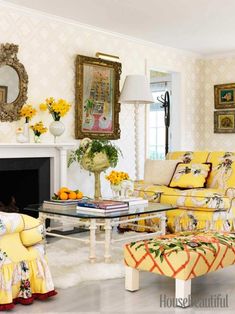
(56, 152)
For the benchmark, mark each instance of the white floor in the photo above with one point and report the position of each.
(109, 296)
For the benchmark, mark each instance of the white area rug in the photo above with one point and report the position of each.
(69, 264)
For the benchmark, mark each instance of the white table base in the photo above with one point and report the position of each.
(93, 225)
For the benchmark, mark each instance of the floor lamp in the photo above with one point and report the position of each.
(136, 91)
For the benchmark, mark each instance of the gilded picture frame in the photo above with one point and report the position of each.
(224, 96)
(97, 94)
(224, 121)
(3, 94)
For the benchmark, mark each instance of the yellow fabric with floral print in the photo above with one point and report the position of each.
(222, 175)
(188, 156)
(217, 199)
(184, 255)
(24, 272)
(189, 176)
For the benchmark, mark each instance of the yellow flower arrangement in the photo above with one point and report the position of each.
(57, 109)
(38, 128)
(27, 111)
(116, 177)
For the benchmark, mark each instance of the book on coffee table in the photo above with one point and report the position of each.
(135, 201)
(100, 210)
(102, 204)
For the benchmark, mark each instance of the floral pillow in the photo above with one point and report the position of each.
(189, 176)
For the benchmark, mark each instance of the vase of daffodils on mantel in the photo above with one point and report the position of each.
(38, 129)
(57, 109)
(27, 112)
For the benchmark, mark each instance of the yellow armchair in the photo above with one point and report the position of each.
(24, 272)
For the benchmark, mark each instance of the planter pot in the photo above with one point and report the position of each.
(96, 165)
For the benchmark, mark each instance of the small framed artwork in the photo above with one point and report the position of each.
(224, 96)
(3, 94)
(224, 121)
(97, 95)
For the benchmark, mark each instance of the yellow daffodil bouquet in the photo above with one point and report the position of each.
(116, 177)
(28, 112)
(57, 109)
(38, 128)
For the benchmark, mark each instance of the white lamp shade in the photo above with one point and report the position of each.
(136, 89)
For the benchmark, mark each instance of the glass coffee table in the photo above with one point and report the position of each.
(95, 221)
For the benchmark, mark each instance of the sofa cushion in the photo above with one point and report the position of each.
(159, 171)
(191, 175)
(188, 156)
(201, 199)
(222, 175)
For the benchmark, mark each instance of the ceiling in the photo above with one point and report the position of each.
(202, 26)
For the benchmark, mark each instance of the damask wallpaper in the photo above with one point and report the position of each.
(48, 47)
(217, 70)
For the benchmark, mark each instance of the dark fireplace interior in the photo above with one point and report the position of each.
(23, 181)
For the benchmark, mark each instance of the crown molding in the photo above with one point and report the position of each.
(41, 14)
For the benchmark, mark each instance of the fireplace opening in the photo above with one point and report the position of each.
(24, 181)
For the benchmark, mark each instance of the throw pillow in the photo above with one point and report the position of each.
(159, 171)
(189, 176)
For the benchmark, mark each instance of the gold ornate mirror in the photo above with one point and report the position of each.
(13, 83)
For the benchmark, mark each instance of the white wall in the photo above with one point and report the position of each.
(48, 47)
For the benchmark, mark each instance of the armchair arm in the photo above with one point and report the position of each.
(33, 232)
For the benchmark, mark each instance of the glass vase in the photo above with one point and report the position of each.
(37, 139)
(116, 190)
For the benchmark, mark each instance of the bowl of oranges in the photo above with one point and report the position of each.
(66, 194)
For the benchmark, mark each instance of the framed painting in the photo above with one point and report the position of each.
(3, 94)
(224, 121)
(224, 96)
(97, 94)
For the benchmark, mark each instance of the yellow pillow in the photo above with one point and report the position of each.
(32, 236)
(189, 176)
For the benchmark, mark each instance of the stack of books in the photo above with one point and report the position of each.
(101, 206)
(60, 205)
(132, 201)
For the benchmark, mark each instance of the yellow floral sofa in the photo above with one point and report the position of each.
(24, 272)
(212, 205)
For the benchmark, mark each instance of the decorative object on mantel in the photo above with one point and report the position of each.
(97, 93)
(224, 121)
(38, 129)
(136, 91)
(57, 109)
(11, 69)
(27, 112)
(120, 184)
(224, 96)
(96, 156)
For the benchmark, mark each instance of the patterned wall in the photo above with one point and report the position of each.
(218, 70)
(48, 47)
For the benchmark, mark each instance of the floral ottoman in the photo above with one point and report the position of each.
(182, 256)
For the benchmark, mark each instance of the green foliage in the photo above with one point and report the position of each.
(97, 146)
